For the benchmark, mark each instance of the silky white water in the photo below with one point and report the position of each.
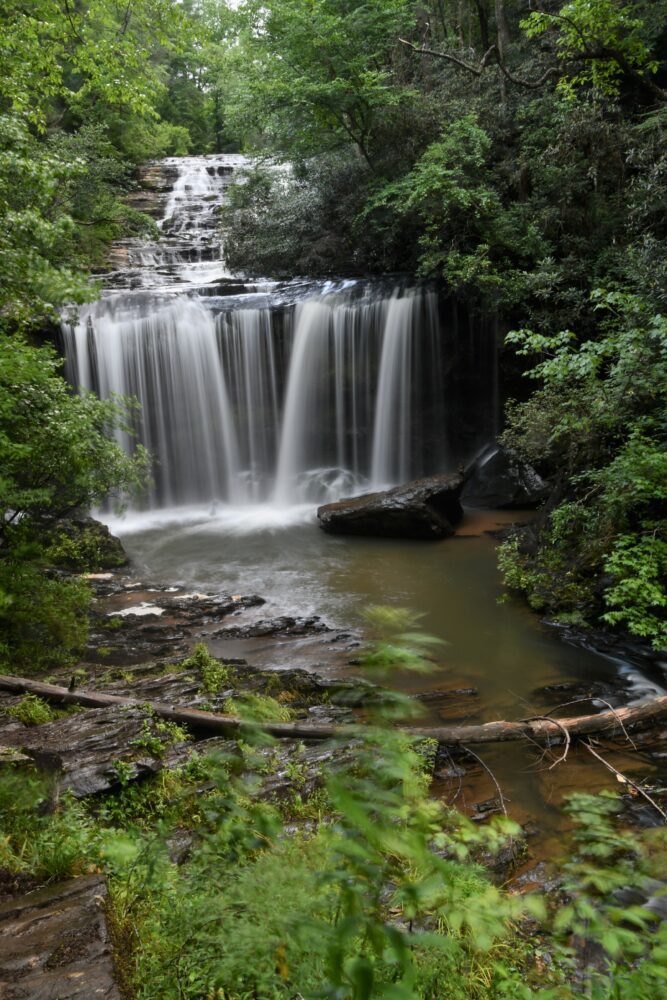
(258, 394)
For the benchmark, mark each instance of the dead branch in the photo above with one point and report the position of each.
(490, 773)
(626, 780)
(543, 731)
(448, 57)
(566, 736)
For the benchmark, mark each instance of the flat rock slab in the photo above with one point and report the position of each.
(82, 749)
(425, 508)
(55, 944)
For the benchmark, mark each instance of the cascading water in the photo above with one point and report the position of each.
(289, 394)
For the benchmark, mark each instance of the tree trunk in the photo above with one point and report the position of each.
(541, 730)
(483, 17)
(502, 29)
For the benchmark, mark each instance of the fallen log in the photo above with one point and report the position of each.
(542, 730)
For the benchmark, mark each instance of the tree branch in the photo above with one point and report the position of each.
(475, 70)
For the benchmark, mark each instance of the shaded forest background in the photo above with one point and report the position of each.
(513, 150)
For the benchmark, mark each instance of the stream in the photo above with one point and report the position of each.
(262, 400)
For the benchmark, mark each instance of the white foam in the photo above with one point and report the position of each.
(141, 610)
(217, 518)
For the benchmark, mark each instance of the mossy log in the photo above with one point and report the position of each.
(542, 730)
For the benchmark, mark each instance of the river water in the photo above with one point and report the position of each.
(261, 400)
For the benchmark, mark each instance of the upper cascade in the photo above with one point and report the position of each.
(185, 194)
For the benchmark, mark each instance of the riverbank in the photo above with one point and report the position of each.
(110, 773)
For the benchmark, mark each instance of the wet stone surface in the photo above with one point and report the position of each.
(55, 943)
(81, 751)
(426, 508)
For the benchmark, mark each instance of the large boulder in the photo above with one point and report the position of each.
(499, 478)
(425, 508)
(79, 542)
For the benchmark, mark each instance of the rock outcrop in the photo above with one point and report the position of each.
(81, 542)
(424, 508)
(500, 479)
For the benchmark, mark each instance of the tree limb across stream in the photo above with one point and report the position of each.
(542, 730)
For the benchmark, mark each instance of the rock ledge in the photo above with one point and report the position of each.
(424, 508)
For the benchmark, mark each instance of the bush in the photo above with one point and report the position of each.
(597, 422)
(56, 457)
(32, 711)
(213, 673)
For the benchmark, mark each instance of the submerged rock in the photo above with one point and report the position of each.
(424, 508)
(500, 479)
(284, 625)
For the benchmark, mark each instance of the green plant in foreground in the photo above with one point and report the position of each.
(256, 708)
(47, 843)
(381, 899)
(615, 883)
(157, 735)
(32, 711)
(213, 673)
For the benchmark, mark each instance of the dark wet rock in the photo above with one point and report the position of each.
(651, 895)
(202, 609)
(16, 884)
(639, 813)
(425, 508)
(137, 645)
(82, 750)
(502, 863)
(620, 645)
(541, 876)
(500, 479)
(295, 769)
(451, 772)
(444, 694)
(151, 623)
(582, 696)
(282, 626)
(483, 810)
(330, 715)
(55, 943)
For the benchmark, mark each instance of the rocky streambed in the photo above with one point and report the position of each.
(141, 646)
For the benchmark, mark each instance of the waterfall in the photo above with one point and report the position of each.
(260, 393)
(391, 435)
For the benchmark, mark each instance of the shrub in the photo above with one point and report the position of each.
(32, 711)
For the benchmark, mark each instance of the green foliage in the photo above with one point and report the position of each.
(85, 53)
(598, 41)
(43, 618)
(213, 673)
(302, 222)
(51, 843)
(256, 708)
(466, 234)
(36, 272)
(598, 417)
(32, 711)
(610, 867)
(55, 450)
(157, 735)
(331, 83)
(55, 456)
(380, 901)
(638, 565)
